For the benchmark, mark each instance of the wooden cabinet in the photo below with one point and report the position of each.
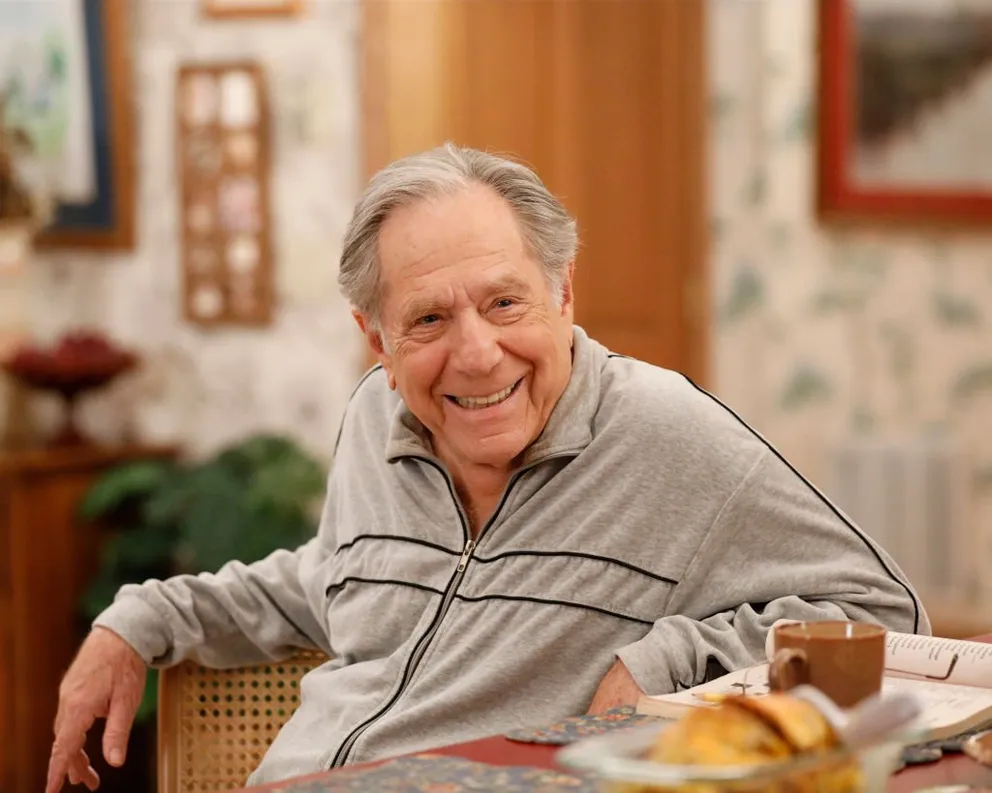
(47, 558)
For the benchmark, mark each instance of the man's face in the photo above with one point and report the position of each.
(474, 341)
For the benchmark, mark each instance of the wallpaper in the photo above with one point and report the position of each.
(822, 334)
(204, 388)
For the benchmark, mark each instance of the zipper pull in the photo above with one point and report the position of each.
(466, 555)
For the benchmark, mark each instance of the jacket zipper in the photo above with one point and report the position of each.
(420, 648)
(411, 666)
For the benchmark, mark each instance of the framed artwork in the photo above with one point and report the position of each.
(251, 8)
(65, 73)
(905, 110)
(222, 140)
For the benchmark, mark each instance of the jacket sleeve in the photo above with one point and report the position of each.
(778, 549)
(242, 614)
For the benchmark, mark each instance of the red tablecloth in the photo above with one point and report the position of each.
(951, 770)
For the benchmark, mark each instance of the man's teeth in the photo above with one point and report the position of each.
(474, 403)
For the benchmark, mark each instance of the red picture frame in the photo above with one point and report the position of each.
(839, 196)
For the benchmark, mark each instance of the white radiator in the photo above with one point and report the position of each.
(910, 494)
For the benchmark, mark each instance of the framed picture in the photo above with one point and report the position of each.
(65, 73)
(905, 110)
(251, 8)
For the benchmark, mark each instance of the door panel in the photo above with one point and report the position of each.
(605, 99)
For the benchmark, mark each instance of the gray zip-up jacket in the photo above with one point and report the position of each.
(647, 522)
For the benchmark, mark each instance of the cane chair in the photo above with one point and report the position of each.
(214, 725)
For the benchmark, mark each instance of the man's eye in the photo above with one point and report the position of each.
(428, 319)
(504, 302)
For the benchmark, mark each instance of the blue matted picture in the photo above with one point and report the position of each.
(65, 75)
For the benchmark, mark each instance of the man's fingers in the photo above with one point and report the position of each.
(88, 775)
(67, 748)
(56, 773)
(60, 766)
(81, 772)
(118, 728)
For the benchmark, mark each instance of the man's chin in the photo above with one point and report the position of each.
(497, 453)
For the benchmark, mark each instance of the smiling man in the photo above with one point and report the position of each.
(520, 525)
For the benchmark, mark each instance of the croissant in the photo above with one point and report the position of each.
(750, 731)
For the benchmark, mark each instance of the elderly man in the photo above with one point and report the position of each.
(520, 525)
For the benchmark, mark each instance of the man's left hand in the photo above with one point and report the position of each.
(615, 690)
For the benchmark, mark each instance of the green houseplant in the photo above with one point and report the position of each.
(171, 517)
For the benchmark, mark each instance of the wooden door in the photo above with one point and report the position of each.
(605, 99)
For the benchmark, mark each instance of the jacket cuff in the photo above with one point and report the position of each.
(137, 623)
(660, 660)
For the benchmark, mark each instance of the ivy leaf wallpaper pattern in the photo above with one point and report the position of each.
(747, 293)
(901, 350)
(805, 386)
(982, 479)
(799, 123)
(833, 300)
(974, 381)
(757, 188)
(780, 236)
(721, 106)
(893, 335)
(955, 311)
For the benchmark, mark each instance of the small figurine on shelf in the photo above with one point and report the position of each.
(80, 362)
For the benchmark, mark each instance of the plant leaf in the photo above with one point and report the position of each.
(149, 698)
(99, 594)
(123, 484)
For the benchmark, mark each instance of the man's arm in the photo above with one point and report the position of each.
(778, 549)
(243, 614)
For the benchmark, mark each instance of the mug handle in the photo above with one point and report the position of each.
(789, 668)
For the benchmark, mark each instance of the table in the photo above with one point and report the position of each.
(497, 750)
(951, 770)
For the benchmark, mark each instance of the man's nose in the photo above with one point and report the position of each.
(476, 348)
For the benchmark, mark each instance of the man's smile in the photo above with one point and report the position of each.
(480, 402)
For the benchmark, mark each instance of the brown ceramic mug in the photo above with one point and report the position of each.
(844, 660)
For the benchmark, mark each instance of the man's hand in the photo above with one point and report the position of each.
(106, 680)
(615, 690)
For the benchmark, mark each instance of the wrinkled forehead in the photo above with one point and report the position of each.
(466, 223)
(470, 241)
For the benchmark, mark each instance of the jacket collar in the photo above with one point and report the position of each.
(569, 428)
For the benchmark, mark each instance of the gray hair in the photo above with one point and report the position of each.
(548, 230)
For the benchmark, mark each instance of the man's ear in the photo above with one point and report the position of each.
(567, 292)
(374, 338)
